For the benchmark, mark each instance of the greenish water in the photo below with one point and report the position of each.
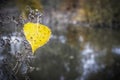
(74, 52)
(79, 54)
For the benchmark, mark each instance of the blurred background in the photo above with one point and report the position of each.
(84, 45)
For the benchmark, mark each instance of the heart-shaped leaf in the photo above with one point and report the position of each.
(36, 34)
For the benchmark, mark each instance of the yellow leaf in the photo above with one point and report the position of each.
(36, 34)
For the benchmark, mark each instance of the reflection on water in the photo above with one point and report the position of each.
(88, 61)
(74, 52)
(78, 53)
(81, 54)
(116, 50)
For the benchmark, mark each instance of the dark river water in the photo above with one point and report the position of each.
(79, 54)
(74, 52)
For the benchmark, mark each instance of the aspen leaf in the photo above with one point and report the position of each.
(36, 34)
